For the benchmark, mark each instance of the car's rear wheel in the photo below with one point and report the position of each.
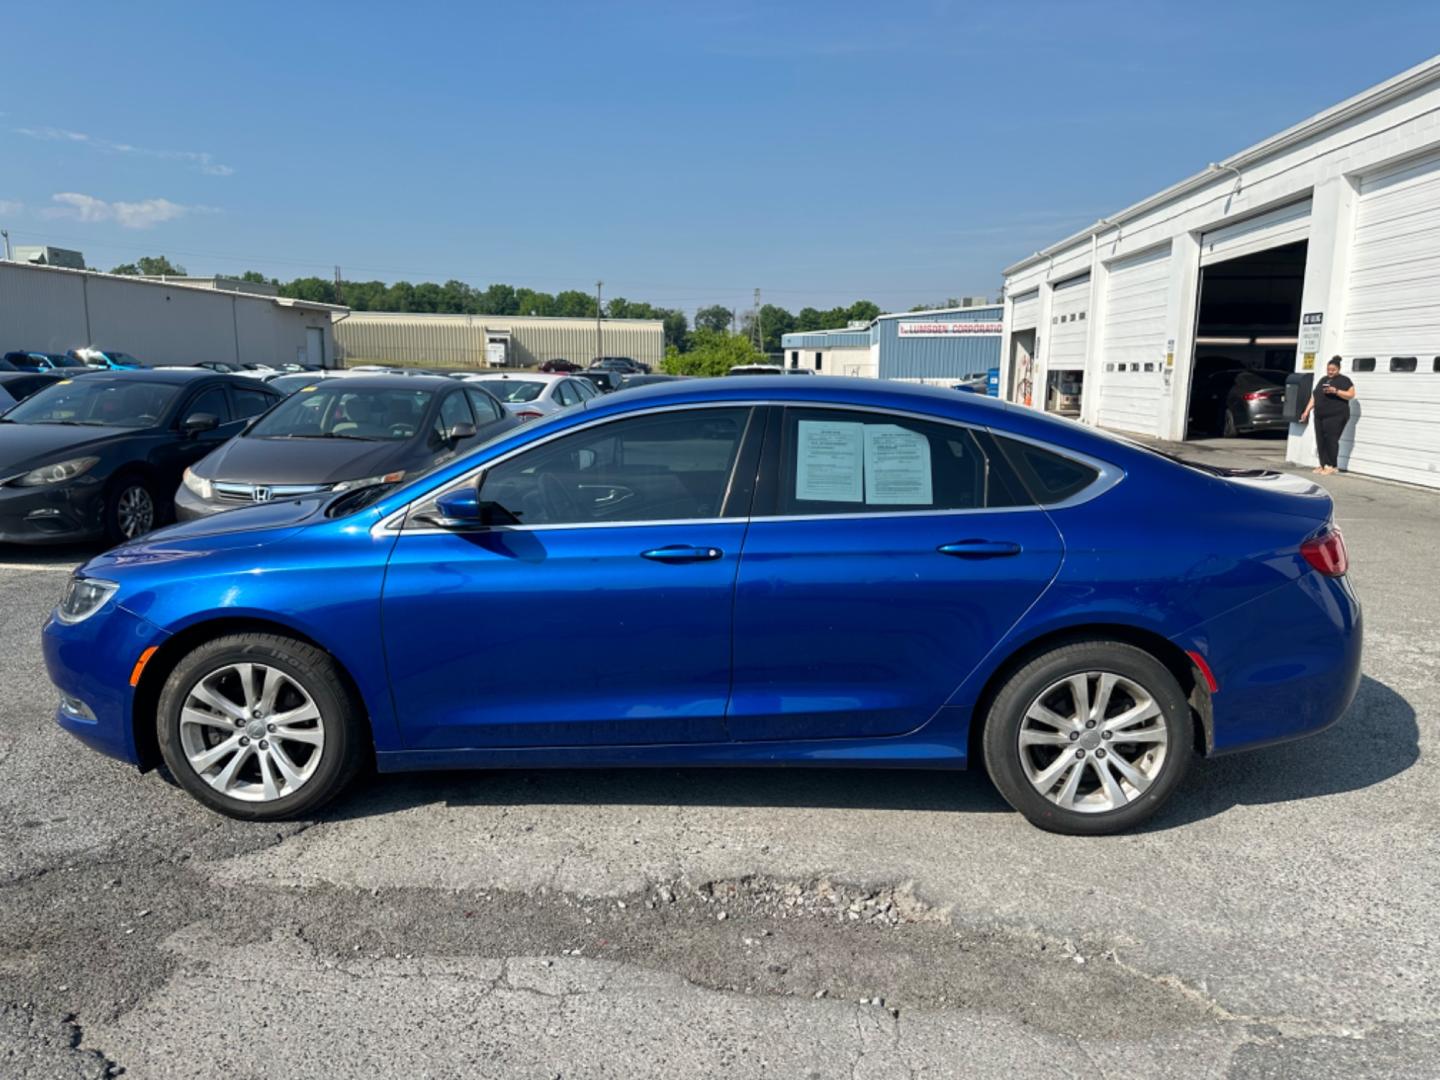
(1231, 428)
(259, 727)
(1089, 738)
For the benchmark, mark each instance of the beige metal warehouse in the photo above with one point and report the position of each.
(51, 309)
(458, 341)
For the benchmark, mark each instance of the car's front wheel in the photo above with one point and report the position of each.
(131, 509)
(1089, 738)
(259, 726)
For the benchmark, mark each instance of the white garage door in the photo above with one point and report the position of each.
(1283, 225)
(1069, 319)
(1132, 342)
(1026, 311)
(1392, 326)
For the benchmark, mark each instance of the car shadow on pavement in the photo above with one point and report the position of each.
(1378, 738)
(838, 789)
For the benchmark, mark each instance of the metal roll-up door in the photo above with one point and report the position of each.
(1272, 229)
(1392, 325)
(1026, 312)
(1132, 342)
(1069, 321)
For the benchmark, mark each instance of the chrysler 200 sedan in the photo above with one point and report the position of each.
(828, 572)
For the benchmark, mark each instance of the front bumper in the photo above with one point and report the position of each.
(189, 506)
(90, 663)
(51, 513)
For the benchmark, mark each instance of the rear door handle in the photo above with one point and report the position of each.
(682, 553)
(980, 549)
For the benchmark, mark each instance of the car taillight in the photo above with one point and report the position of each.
(1260, 395)
(529, 414)
(1325, 551)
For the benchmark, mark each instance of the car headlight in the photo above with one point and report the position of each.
(57, 473)
(82, 598)
(197, 484)
(388, 478)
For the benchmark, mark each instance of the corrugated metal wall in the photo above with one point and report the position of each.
(53, 310)
(827, 339)
(459, 340)
(938, 357)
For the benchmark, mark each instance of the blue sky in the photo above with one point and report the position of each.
(686, 152)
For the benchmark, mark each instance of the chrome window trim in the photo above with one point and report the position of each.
(1108, 475)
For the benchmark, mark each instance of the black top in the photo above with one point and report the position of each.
(1330, 404)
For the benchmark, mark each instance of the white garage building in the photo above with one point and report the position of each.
(1322, 240)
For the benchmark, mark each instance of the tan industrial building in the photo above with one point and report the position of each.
(459, 341)
(52, 309)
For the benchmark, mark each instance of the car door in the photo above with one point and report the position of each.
(177, 451)
(887, 555)
(601, 612)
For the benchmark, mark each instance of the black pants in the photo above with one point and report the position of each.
(1328, 430)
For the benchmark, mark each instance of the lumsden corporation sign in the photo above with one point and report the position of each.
(950, 329)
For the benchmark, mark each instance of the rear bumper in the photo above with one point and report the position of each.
(1287, 664)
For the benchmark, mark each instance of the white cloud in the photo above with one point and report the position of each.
(11, 206)
(144, 214)
(200, 160)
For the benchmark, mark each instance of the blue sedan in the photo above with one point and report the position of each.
(826, 572)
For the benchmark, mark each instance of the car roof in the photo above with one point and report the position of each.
(522, 376)
(366, 381)
(175, 374)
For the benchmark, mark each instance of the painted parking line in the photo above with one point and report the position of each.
(52, 567)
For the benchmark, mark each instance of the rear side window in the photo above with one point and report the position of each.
(250, 403)
(486, 407)
(1050, 477)
(834, 461)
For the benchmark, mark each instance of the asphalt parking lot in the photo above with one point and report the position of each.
(1279, 918)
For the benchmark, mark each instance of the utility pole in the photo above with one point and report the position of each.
(339, 289)
(759, 336)
(6, 234)
(599, 352)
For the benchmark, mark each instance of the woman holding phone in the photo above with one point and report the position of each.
(1331, 405)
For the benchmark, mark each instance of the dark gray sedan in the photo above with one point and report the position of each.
(341, 434)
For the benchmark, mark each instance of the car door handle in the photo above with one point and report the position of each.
(980, 549)
(682, 553)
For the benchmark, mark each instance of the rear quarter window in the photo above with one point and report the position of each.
(1050, 476)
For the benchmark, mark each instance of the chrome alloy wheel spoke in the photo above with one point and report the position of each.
(1093, 742)
(251, 732)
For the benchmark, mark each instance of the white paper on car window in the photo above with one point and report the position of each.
(897, 467)
(829, 460)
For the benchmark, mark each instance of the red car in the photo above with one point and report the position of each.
(562, 366)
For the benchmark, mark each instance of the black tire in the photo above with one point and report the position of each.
(314, 671)
(118, 510)
(1231, 430)
(1003, 724)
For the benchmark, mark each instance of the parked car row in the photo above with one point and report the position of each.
(73, 360)
(112, 454)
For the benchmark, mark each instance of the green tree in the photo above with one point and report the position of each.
(530, 302)
(497, 300)
(400, 297)
(677, 330)
(862, 311)
(318, 289)
(953, 302)
(574, 304)
(712, 352)
(716, 318)
(775, 321)
(257, 278)
(151, 266)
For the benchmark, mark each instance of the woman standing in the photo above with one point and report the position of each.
(1331, 405)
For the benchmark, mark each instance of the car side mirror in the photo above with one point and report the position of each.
(460, 431)
(199, 422)
(465, 508)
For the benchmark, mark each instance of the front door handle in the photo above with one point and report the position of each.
(682, 553)
(980, 549)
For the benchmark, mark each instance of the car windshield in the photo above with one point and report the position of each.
(101, 402)
(513, 389)
(331, 410)
(288, 384)
(65, 361)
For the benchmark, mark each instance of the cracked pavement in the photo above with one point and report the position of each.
(1277, 919)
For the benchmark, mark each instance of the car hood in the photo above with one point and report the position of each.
(25, 446)
(251, 460)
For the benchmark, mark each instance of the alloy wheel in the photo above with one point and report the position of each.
(1093, 741)
(251, 732)
(135, 512)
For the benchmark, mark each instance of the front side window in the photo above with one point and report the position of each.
(211, 402)
(486, 407)
(661, 467)
(454, 410)
(98, 402)
(834, 461)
